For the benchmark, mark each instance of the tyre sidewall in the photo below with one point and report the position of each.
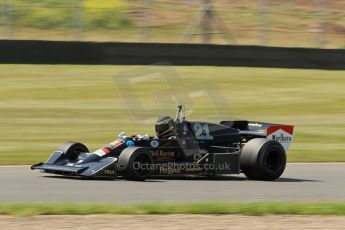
(128, 158)
(72, 150)
(265, 150)
(254, 156)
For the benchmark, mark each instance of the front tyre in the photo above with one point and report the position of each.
(135, 163)
(263, 159)
(72, 150)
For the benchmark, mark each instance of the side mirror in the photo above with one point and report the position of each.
(122, 135)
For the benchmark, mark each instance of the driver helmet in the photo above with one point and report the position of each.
(165, 127)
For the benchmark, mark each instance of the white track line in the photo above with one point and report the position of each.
(14, 166)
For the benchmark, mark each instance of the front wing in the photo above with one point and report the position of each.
(103, 168)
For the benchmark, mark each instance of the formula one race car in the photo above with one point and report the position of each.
(181, 148)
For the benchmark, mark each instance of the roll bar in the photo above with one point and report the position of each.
(180, 115)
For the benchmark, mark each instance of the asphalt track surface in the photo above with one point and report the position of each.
(300, 182)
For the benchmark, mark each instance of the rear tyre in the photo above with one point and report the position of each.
(135, 163)
(263, 159)
(72, 150)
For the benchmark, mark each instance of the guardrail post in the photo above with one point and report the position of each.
(320, 34)
(7, 19)
(78, 22)
(264, 23)
(145, 20)
(207, 8)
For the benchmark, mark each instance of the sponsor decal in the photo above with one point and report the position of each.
(105, 150)
(99, 152)
(281, 134)
(255, 124)
(130, 143)
(116, 143)
(168, 170)
(162, 153)
(154, 143)
(109, 172)
(281, 138)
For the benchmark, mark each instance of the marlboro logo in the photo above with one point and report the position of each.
(281, 138)
(281, 134)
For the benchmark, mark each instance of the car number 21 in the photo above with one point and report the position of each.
(202, 131)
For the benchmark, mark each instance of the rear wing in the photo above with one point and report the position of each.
(277, 132)
(281, 133)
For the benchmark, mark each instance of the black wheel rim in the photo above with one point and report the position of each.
(75, 154)
(273, 161)
(142, 164)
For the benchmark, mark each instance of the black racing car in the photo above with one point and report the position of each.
(181, 147)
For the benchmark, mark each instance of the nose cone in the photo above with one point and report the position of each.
(91, 158)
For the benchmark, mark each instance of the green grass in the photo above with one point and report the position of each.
(198, 208)
(47, 14)
(42, 106)
(290, 24)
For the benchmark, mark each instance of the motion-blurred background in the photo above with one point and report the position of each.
(297, 23)
(42, 106)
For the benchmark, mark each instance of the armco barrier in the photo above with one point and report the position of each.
(66, 52)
